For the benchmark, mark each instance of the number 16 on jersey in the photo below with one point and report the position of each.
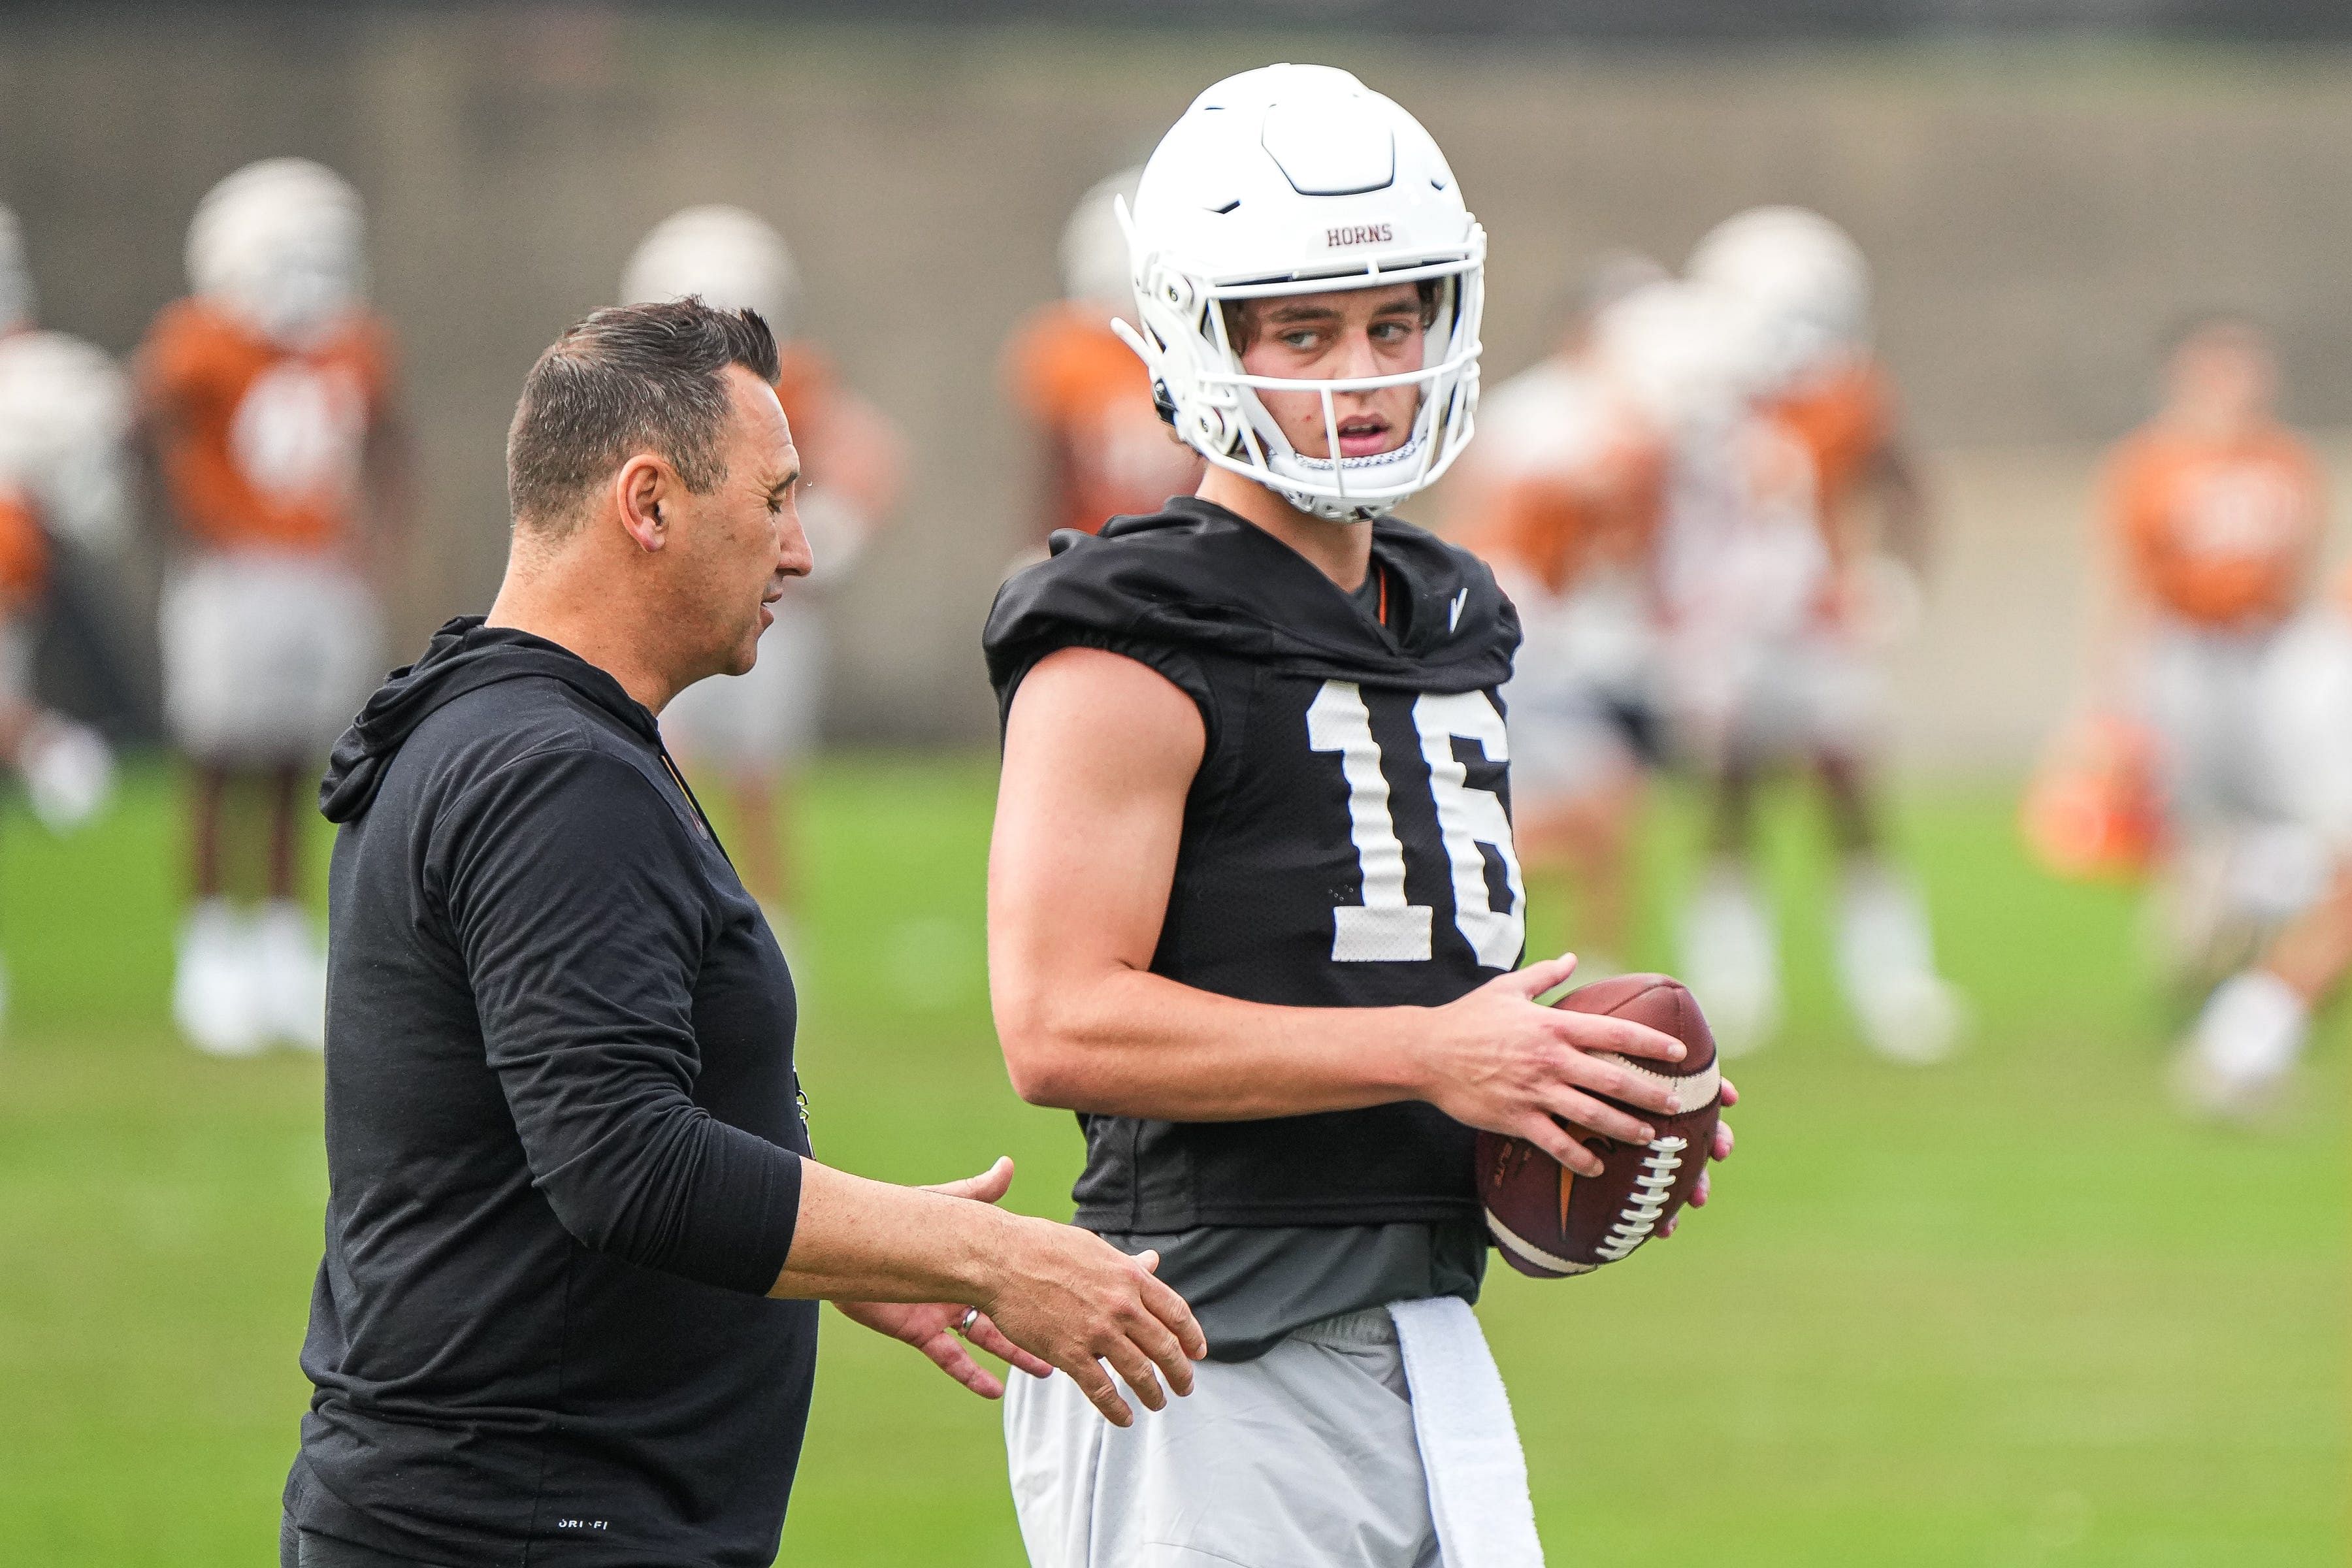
(1386, 928)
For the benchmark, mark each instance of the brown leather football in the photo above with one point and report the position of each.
(1550, 1222)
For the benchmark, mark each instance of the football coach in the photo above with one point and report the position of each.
(575, 1240)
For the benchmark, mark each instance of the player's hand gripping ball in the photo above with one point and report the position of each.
(1550, 1222)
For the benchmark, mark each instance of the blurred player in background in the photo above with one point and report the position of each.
(65, 423)
(1106, 451)
(2252, 1028)
(756, 731)
(1787, 577)
(2214, 512)
(267, 398)
(1562, 495)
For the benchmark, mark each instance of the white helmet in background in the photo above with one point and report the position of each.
(1293, 180)
(1094, 246)
(16, 277)
(1687, 355)
(733, 258)
(283, 244)
(1803, 274)
(65, 432)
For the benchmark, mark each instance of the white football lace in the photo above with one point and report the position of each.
(1651, 1190)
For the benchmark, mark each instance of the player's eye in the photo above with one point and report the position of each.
(1301, 338)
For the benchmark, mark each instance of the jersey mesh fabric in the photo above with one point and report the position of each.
(1273, 898)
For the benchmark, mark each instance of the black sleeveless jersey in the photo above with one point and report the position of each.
(1346, 841)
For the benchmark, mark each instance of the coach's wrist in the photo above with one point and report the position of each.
(976, 1253)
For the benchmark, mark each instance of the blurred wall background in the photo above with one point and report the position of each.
(2039, 215)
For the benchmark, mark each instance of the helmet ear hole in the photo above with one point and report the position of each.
(1213, 427)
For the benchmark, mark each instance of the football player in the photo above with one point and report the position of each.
(1254, 908)
(2251, 1030)
(267, 396)
(1782, 630)
(2214, 515)
(65, 418)
(1561, 497)
(1105, 450)
(755, 730)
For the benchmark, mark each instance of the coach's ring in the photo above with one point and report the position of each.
(964, 1323)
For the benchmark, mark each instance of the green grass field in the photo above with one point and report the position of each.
(2009, 1312)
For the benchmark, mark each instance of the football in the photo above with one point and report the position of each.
(1548, 1221)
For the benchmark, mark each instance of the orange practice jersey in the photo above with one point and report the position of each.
(1842, 422)
(2218, 533)
(805, 386)
(24, 553)
(261, 445)
(1555, 526)
(1088, 393)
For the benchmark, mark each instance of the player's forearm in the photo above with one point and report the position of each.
(1129, 1043)
(871, 1241)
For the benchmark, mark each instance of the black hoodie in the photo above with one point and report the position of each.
(562, 1141)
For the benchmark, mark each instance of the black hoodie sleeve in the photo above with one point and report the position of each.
(580, 911)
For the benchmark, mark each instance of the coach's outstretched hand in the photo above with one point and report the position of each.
(906, 1261)
(1079, 1301)
(1500, 1060)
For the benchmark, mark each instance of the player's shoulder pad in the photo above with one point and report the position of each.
(1196, 576)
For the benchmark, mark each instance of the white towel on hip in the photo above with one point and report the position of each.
(1469, 1445)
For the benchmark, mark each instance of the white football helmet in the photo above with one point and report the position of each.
(1805, 277)
(283, 244)
(734, 259)
(16, 277)
(1094, 246)
(65, 431)
(1299, 180)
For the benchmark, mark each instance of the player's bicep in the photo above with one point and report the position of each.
(1099, 754)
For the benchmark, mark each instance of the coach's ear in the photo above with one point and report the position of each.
(643, 491)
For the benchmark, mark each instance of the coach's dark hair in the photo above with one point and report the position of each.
(634, 378)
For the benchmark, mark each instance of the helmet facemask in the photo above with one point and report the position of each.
(1214, 404)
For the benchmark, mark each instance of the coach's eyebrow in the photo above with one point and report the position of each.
(786, 483)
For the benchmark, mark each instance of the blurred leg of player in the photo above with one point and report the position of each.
(265, 655)
(1885, 952)
(754, 732)
(1578, 731)
(2251, 1030)
(1730, 948)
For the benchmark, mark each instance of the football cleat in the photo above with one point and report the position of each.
(1887, 967)
(216, 998)
(2244, 1047)
(290, 975)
